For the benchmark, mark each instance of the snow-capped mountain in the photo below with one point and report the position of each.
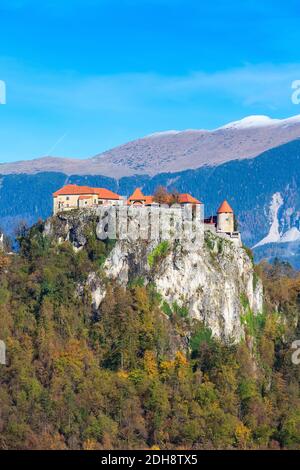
(273, 235)
(173, 151)
(212, 165)
(284, 228)
(261, 121)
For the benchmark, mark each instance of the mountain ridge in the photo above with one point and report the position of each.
(173, 151)
(249, 185)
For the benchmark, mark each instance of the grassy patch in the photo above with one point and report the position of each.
(180, 311)
(201, 335)
(209, 242)
(166, 309)
(159, 252)
(138, 281)
(254, 323)
(249, 253)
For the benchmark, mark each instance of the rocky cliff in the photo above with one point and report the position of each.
(214, 283)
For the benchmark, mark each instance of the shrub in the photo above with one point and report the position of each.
(159, 252)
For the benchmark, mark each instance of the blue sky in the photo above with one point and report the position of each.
(84, 76)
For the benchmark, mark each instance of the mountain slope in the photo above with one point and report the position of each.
(191, 149)
(130, 371)
(246, 184)
(174, 151)
(264, 192)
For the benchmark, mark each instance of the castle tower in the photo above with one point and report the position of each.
(137, 197)
(225, 218)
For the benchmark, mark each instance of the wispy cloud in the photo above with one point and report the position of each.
(103, 111)
(265, 85)
(54, 146)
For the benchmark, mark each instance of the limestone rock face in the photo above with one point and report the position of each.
(97, 290)
(70, 226)
(209, 282)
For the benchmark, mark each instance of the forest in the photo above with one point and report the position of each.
(137, 374)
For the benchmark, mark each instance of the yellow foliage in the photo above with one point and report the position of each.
(150, 364)
(90, 444)
(180, 359)
(242, 435)
(4, 261)
(122, 374)
(72, 359)
(271, 327)
(166, 367)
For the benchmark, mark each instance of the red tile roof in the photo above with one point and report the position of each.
(87, 192)
(137, 195)
(187, 198)
(149, 199)
(225, 208)
(104, 193)
(74, 189)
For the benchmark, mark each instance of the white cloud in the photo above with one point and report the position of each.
(251, 86)
(99, 112)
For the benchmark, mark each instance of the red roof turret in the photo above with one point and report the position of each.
(225, 208)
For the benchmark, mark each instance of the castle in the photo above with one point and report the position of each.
(72, 197)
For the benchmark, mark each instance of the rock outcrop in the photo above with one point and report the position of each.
(208, 283)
